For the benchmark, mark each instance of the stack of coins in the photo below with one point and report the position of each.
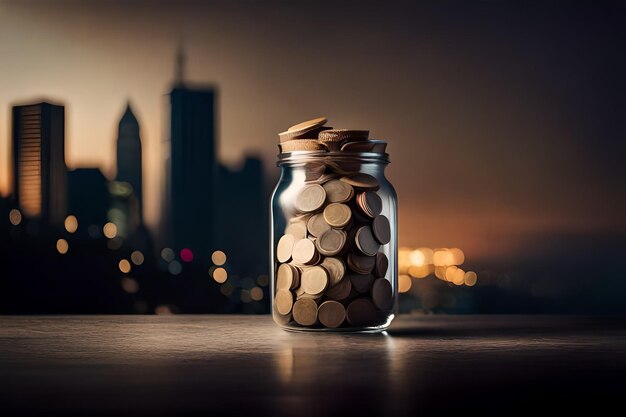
(331, 269)
(313, 135)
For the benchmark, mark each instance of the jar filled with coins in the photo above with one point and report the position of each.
(334, 231)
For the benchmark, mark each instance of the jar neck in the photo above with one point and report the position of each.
(305, 158)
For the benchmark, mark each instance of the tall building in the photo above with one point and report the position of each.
(88, 197)
(129, 167)
(191, 166)
(39, 176)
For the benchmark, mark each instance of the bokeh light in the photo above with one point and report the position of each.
(162, 310)
(124, 266)
(130, 285)
(417, 258)
(71, 223)
(175, 268)
(457, 256)
(15, 217)
(186, 255)
(137, 257)
(245, 296)
(470, 278)
(263, 280)
(227, 289)
(256, 294)
(404, 283)
(62, 246)
(218, 258)
(168, 254)
(109, 230)
(220, 275)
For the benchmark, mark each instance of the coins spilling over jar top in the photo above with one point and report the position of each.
(313, 136)
(331, 262)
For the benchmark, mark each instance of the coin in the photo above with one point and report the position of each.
(325, 178)
(284, 301)
(313, 171)
(314, 297)
(314, 280)
(316, 225)
(302, 145)
(341, 291)
(331, 242)
(337, 214)
(283, 319)
(370, 203)
(361, 283)
(302, 129)
(364, 146)
(305, 312)
(311, 198)
(381, 229)
(366, 242)
(338, 191)
(382, 263)
(360, 312)
(297, 230)
(331, 314)
(304, 252)
(336, 270)
(338, 135)
(361, 264)
(284, 248)
(287, 277)
(382, 294)
(361, 180)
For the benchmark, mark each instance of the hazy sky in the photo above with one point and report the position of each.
(506, 121)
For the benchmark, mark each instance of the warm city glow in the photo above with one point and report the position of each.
(62, 246)
(124, 266)
(443, 263)
(218, 258)
(220, 275)
(15, 217)
(71, 223)
(137, 257)
(109, 230)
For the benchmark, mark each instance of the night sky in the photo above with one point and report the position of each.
(506, 120)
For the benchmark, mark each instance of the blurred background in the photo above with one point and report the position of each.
(138, 147)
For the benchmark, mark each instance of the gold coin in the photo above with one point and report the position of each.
(284, 277)
(308, 124)
(361, 180)
(301, 145)
(311, 198)
(336, 270)
(331, 242)
(284, 248)
(314, 297)
(338, 135)
(296, 229)
(381, 229)
(314, 280)
(303, 129)
(284, 301)
(365, 241)
(382, 294)
(382, 263)
(304, 252)
(305, 312)
(361, 283)
(361, 264)
(338, 191)
(337, 214)
(370, 203)
(331, 314)
(341, 291)
(317, 226)
(360, 312)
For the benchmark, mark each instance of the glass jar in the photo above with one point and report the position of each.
(334, 242)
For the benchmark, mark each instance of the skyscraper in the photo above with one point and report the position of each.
(191, 166)
(39, 176)
(129, 156)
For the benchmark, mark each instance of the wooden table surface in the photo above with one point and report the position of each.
(245, 365)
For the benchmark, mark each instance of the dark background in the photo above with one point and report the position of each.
(506, 123)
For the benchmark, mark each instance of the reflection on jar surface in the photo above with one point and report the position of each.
(334, 242)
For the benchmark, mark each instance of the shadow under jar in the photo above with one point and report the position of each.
(334, 242)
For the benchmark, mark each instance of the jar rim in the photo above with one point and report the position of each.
(300, 157)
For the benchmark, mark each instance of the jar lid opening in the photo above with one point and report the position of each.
(300, 157)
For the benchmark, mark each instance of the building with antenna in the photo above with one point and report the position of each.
(129, 164)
